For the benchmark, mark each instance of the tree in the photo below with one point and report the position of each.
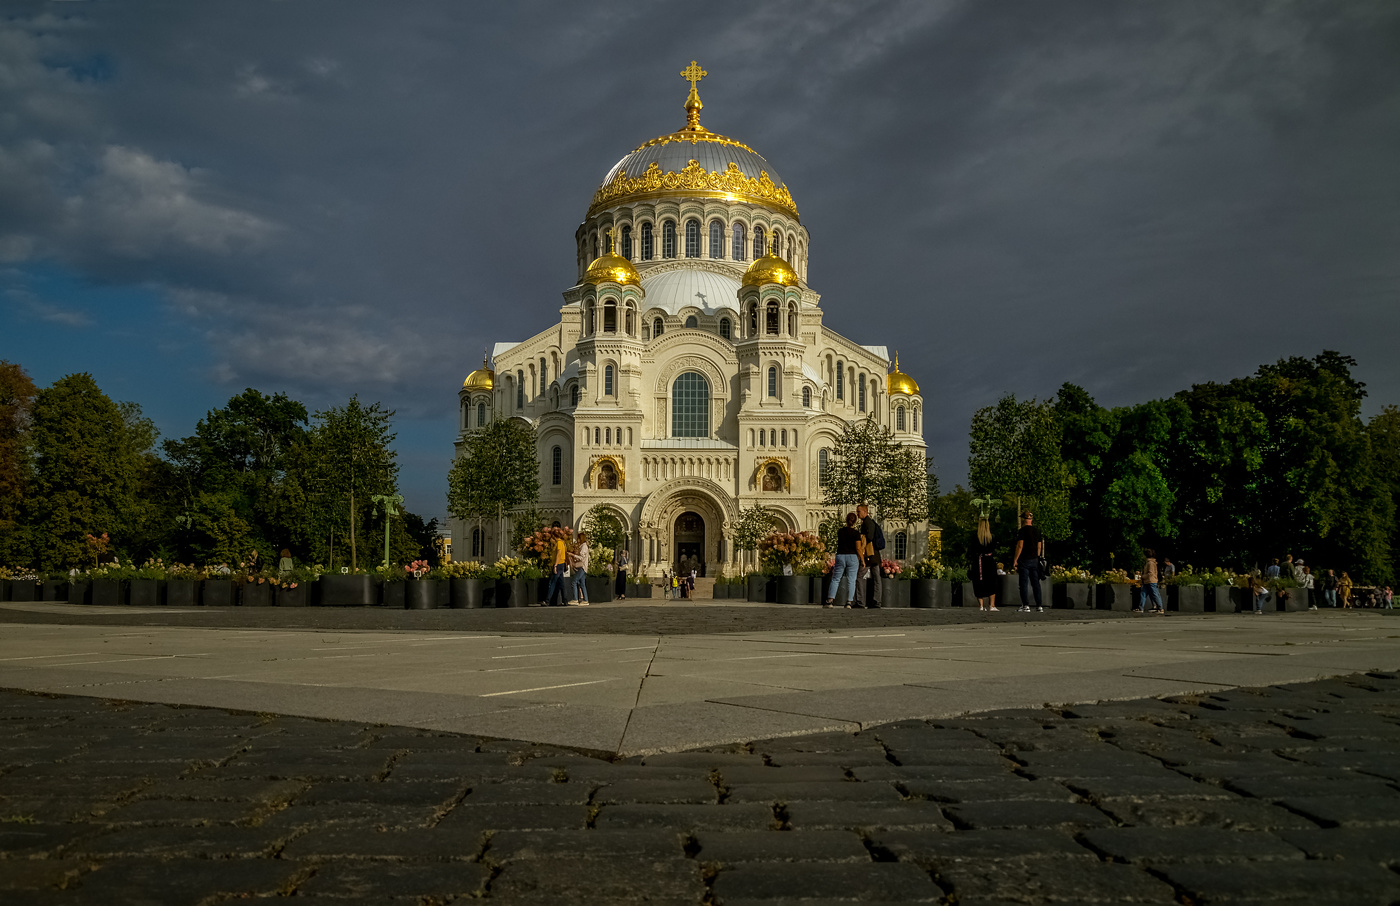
(351, 447)
(868, 465)
(753, 524)
(17, 394)
(497, 470)
(604, 528)
(1384, 431)
(1015, 455)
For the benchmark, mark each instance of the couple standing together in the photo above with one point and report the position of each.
(577, 560)
(1028, 557)
(857, 554)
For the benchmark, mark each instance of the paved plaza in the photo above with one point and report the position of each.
(903, 758)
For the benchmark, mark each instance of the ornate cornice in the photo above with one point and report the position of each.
(696, 181)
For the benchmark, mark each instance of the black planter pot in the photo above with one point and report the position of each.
(600, 589)
(79, 592)
(419, 594)
(54, 590)
(1190, 598)
(108, 592)
(146, 593)
(393, 594)
(24, 590)
(181, 592)
(465, 594)
(1224, 599)
(721, 592)
(923, 593)
(214, 593)
(257, 594)
(1073, 596)
(790, 590)
(286, 596)
(503, 594)
(347, 591)
(522, 593)
(1114, 597)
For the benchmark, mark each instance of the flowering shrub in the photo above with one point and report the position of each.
(461, 569)
(508, 568)
(97, 545)
(542, 542)
(927, 568)
(1114, 577)
(417, 569)
(781, 549)
(891, 568)
(1060, 574)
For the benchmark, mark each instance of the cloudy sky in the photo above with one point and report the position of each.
(327, 198)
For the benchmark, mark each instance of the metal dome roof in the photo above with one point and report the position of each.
(706, 290)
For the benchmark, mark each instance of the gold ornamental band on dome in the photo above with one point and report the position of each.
(695, 180)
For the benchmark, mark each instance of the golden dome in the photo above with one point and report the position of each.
(899, 382)
(481, 379)
(769, 269)
(611, 268)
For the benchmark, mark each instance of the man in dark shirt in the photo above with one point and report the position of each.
(870, 564)
(1030, 547)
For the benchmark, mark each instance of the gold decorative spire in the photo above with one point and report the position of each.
(899, 382)
(611, 267)
(483, 378)
(693, 74)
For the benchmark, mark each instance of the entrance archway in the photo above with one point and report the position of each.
(688, 533)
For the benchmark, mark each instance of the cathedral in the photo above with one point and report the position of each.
(689, 375)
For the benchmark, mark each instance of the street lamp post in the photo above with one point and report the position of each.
(389, 504)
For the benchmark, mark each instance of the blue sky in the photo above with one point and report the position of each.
(325, 198)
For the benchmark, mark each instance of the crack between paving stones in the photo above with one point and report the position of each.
(635, 702)
(855, 723)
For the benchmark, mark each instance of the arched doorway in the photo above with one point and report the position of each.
(689, 535)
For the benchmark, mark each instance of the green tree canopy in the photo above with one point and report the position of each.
(868, 465)
(17, 394)
(1014, 455)
(496, 471)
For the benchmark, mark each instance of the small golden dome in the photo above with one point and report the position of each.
(770, 269)
(611, 268)
(899, 382)
(481, 379)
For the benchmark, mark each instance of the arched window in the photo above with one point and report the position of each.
(690, 406)
(792, 320)
(520, 389)
(758, 248)
(916, 420)
(772, 319)
(607, 380)
(556, 466)
(840, 380)
(777, 244)
(631, 319)
(784, 436)
(657, 328)
(862, 393)
(668, 239)
(692, 239)
(823, 466)
(763, 437)
(772, 381)
(627, 242)
(609, 316)
(716, 239)
(647, 243)
(899, 418)
(806, 397)
(588, 318)
(544, 374)
(597, 436)
(573, 395)
(901, 545)
(724, 327)
(595, 245)
(481, 415)
(692, 321)
(478, 544)
(607, 436)
(753, 319)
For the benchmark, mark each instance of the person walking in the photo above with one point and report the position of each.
(620, 585)
(1386, 598)
(558, 562)
(1273, 570)
(1030, 547)
(982, 568)
(1150, 590)
(1306, 582)
(849, 544)
(580, 568)
(869, 560)
(1344, 587)
(1298, 570)
(1329, 588)
(1168, 570)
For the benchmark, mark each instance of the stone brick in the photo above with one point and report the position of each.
(645, 845)
(33, 840)
(529, 794)
(599, 880)
(1310, 881)
(413, 843)
(1187, 844)
(181, 811)
(259, 791)
(346, 814)
(1347, 810)
(1320, 784)
(914, 814)
(501, 816)
(905, 772)
(1239, 814)
(1161, 785)
(781, 846)
(805, 773)
(1025, 813)
(1350, 843)
(143, 881)
(439, 880)
(659, 791)
(932, 847)
(814, 792)
(731, 816)
(705, 760)
(1051, 880)
(35, 874)
(216, 842)
(1012, 787)
(873, 882)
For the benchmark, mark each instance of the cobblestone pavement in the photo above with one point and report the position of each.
(1275, 794)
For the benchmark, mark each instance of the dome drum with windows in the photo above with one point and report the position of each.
(689, 375)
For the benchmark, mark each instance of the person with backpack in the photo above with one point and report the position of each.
(870, 563)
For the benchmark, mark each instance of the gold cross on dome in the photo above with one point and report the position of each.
(693, 73)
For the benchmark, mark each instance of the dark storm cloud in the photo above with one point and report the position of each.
(357, 197)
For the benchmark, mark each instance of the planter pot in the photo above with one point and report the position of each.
(392, 594)
(4, 589)
(1190, 598)
(212, 593)
(181, 592)
(924, 593)
(108, 592)
(1011, 592)
(146, 593)
(502, 594)
(793, 589)
(1223, 599)
(600, 588)
(27, 591)
(721, 592)
(465, 594)
(347, 591)
(753, 587)
(522, 593)
(644, 590)
(896, 592)
(1296, 602)
(54, 590)
(1114, 597)
(79, 593)
(292, 597)
(1072, 596)
(257, 594)
(418, 594)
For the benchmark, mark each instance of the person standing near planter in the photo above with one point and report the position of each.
(1329, 588)
(285, 564)
(558, 554)
(850, 545)
(580, 568)
(869, 559)
(1306, 581)
(1344, 587)
(982, 568)
(1030, 547)
(620, 587)
(1150, 590)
